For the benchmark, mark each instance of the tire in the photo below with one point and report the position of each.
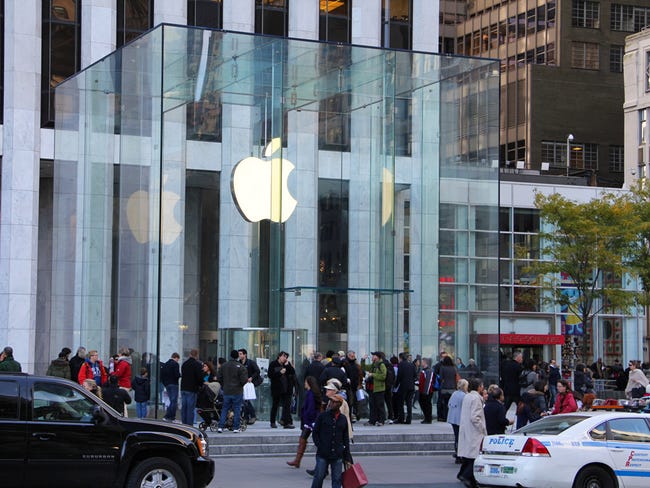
(203, 426)
(157, 471)
(594, 477)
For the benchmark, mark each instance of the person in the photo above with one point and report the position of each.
(7, 361)
(141, 392)
(90, 385)
(598, 369)
(316, 366)
(565, 402)
(76, 362)
(405, 389)
(377, 377)
(426, 382)
(191, 380)
(170, 373)
(122, 371)
(532, 404)
(554, 376)
(330, 436)
(459, 364)
(282, 375)
(454, 412)
(311, 407)
(60, 366)
(472, 370)
(636, 382)
(389, 383)
(209, 373)
(255, 378)
(472, 429)
(353, 372)
(336, 370)
(579, 378)
(92, 369)
(495, 412)
(510, 371)
(448, 380)
(528, 376)
(116, 396)
(233, 375)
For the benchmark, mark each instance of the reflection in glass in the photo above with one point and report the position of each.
(133, 18)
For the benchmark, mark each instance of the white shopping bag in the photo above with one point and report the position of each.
(249, 391)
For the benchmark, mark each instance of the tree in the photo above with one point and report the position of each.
(639, 258)
(584, 249)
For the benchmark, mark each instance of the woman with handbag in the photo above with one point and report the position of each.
(637, 381)
(311, 407)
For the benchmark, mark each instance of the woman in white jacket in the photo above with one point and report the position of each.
(472, 431)
(636, 379)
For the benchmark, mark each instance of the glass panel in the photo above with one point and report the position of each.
(629, 430)
(60, 403)
(9, 400)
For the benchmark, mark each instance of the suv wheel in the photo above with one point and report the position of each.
(157, 472)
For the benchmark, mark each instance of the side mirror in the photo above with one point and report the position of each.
(99, 416)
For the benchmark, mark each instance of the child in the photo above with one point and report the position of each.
(142, 392)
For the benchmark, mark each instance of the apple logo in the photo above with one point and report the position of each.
(137, 216)
(259, 187)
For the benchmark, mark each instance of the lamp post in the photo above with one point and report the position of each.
(568, 152)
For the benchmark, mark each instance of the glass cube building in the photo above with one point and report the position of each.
(220, 190)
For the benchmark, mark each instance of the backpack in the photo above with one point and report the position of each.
(390, 374)
(523, 378)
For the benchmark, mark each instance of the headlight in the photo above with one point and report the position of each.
(203, 446)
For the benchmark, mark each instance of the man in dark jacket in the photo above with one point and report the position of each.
(60, 366)
(316, 366)
(405, 386)
(115, 396)
(233, 375)
(332, 441)
(254, 377)
(191, 381)
(76, 362)
(510, 371)
(283, 379)
(170, 372)
(334, 370)
(7, 361)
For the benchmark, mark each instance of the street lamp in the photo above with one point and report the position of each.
(568, 152)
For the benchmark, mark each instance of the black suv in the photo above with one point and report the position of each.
(55, 433)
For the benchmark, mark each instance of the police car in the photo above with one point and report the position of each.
(579, 450)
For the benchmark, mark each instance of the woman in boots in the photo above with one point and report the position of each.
(311, 407)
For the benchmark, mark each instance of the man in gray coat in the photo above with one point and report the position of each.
(233, 375)
(472, 431)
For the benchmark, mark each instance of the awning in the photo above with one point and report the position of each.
(522, 339)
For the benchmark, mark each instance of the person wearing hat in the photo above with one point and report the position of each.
(330, 435)
(60, 366)
(377, 374)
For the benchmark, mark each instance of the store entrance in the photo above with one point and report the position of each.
(536, 352)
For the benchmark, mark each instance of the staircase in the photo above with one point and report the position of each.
(415, 439)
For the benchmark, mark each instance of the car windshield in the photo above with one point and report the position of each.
(552, 425)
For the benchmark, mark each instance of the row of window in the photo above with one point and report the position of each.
(508, 30)
(582, 155)
(541, 55)
(629, 18)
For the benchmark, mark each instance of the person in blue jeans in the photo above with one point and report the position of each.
(232, 375)
(332, 441)
(191, 380)
(141, 392)
(170, 372)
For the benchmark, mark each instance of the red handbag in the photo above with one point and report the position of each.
(354, 477)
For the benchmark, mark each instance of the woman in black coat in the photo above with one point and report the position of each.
(495, 412)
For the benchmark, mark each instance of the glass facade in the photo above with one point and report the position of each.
(264, 239)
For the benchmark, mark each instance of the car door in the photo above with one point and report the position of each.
(65, 443)
(628, 442)
(13, 431)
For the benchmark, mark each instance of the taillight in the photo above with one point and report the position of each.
(534, 448)
(481, 449)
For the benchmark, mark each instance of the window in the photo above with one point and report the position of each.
(584, 156)
(629, 18)
(599, 433)
(585, 55)
(61, 50)
(133, 18)
(585, 14)
(205, 13)
(60, 403)
(629, 430)
(554, 153)
(8, 400)
(335, 20)
(334, 123)
(647, 71)
(643, 122)
(616, 59)
(616, 159)
(271, 17)
(400, 24)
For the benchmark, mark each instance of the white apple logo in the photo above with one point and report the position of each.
(137, 216)
(259, 187)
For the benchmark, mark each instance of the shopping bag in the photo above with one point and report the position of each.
(361, 395)
(249, 391)
(354, 477)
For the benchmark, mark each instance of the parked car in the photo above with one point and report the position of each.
(55, 433)
(577, 450)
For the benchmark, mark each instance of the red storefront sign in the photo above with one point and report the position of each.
(521, 339)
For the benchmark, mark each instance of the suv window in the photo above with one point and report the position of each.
(629, 430)
(8, 400)
(63, 403)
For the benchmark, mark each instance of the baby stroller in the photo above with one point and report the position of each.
(209, 402)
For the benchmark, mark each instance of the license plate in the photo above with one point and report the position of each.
(494, 471)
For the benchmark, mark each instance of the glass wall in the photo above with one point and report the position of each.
(263, 237)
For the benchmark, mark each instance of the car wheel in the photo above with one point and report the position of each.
(593, 477)
(157, 472)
